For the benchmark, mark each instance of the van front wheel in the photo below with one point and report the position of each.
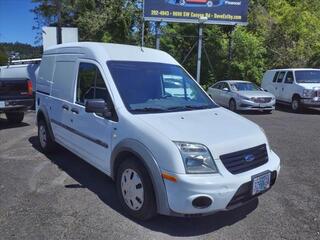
(46, 142)
(135, 190)
(296, 104)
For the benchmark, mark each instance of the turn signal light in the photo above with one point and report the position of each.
(169, 177)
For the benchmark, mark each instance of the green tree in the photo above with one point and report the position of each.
(3, 57)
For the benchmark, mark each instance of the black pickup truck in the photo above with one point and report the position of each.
(16, 96)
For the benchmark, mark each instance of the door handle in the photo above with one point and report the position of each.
(65, 107)
(75, 111)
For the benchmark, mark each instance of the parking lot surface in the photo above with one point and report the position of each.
(62, 197)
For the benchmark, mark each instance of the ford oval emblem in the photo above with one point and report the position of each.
(249, 158)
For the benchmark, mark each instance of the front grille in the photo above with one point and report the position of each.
(245, 160)
(244, 193)
(262, 100)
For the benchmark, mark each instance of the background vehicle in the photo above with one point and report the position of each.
(137, 116)
(296, 87)
(26, 69)
(16, 97)
(241, 95)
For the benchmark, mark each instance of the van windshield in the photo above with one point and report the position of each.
(147, 87)
(307, 76)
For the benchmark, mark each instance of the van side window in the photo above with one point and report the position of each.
(90, 84)
(289, 78)
(275, 77)
(281, 77)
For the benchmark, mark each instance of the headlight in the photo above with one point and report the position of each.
(308, 93)
(196, 158)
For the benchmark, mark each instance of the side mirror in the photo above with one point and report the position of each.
(98, 106)
(225, 89)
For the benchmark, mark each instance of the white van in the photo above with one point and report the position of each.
(298, 87)
(171, 152)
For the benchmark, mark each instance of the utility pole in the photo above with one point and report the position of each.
(230, 49)
(59, 21)
(199, 52)
(157, 35)
(202, 20)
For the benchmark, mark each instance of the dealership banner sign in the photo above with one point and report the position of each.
(228, 12)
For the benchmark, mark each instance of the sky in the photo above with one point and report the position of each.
(16, 21)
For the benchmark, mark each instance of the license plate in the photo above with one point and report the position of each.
(261, 183)
(2, 104)
(263, 105)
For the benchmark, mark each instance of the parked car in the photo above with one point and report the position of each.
(15, 98)
(241, 95)
(169, 153)
(296, 87)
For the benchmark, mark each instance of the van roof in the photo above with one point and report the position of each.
(111, 52)
(294, 69)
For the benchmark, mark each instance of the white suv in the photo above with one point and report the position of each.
(139, 117)
(297, 87)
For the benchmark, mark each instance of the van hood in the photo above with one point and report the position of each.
(310, 85)
(221, 130)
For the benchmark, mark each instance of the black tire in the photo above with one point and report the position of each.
(232, 105)
(15, 117)
(296, 104)
(47, 145)
(148, 209)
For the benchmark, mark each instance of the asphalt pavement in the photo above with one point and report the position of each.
(62, 197)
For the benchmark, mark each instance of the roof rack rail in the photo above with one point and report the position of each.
(24, 61)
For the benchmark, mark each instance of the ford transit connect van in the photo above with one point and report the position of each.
(135, 114)
(296, 87)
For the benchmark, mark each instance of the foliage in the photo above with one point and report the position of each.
(3, 57)
(280, 33)
(25, 50)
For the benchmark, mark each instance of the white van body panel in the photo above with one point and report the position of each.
(95, 139)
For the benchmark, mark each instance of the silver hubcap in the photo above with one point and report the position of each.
(295, 105)
(132, 189)
(43, 136)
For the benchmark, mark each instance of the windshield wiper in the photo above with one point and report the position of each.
(187, 107)
(148, 109)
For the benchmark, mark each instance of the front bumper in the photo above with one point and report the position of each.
(17, 104)
(311, 102)
(221, 188)
(250, 105)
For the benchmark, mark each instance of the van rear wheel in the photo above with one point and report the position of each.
(135, 190)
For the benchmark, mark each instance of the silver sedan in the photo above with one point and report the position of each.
(242, 95)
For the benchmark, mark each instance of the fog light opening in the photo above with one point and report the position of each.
(201, 202)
